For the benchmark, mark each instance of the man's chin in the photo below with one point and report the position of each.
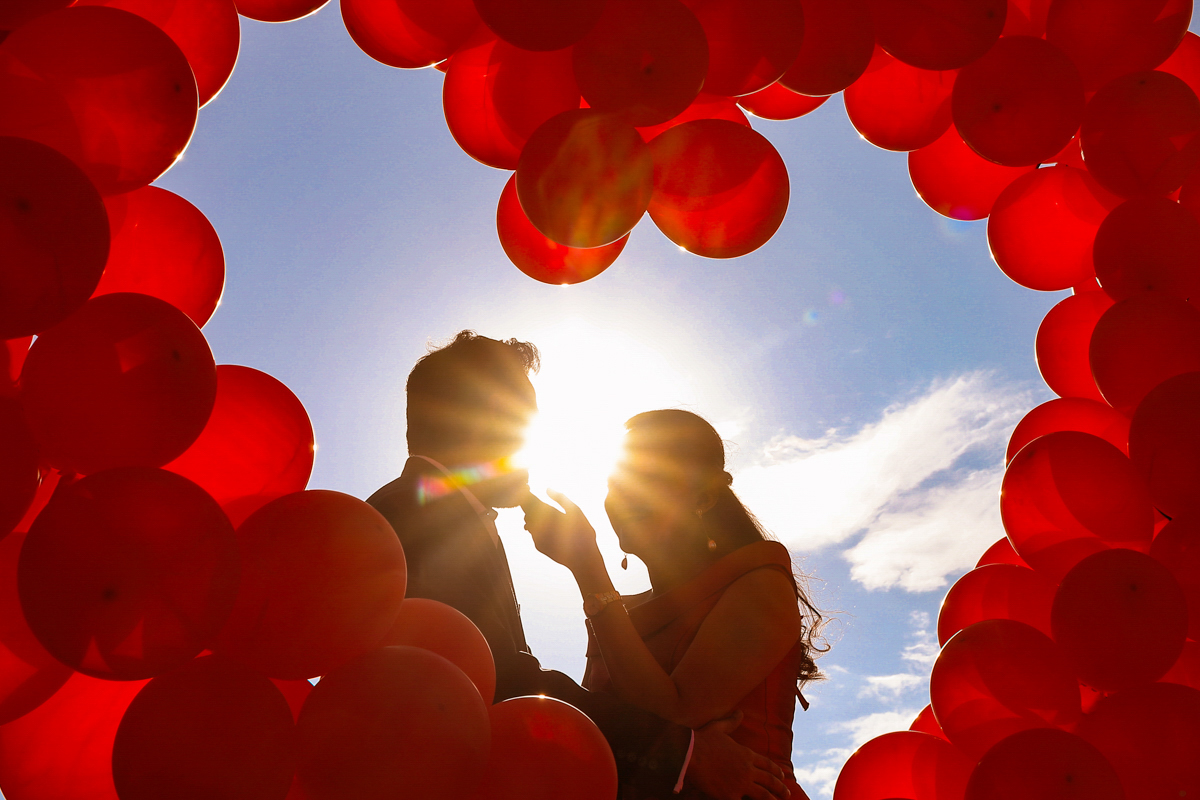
(506, 491)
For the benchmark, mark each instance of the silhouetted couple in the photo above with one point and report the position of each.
(693, 683)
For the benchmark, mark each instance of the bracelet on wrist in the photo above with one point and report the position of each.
(594, 603)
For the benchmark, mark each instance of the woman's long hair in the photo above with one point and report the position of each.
(692, 450)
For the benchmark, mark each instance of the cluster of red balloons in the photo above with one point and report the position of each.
(1070, 661)
(168, 587)
(610, 109)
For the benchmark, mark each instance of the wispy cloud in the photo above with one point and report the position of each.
(908, 484)
(890, 686)
(924, 649)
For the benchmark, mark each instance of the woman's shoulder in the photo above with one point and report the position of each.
(767, 590)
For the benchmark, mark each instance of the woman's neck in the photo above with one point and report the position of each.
(682, 558)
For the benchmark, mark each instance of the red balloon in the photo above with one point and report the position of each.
(398, 722)
(1026, 18)
(1110, 38)
(54, 236)
(1113, 591)
(839, 39)
(1151, 736)
(48, 485)
(955, 181)
(409, 33)
(938, 34)
(1184, 63)
(295, 693)
(126, 380)
(779, 102)
(1020, 103)
(996, 591)
(63, 749)
(128, 573)
(1001, 553)
(1067, 495)
(323, 576)
(207, 31)
(540, 24)
(720, 189)
(28, 674)
(705, 106)
(212, 727)
(163, 246)
(257, 446)
(998, 677)
(750, 42)
(545, 749)
(495, 96)
(926, 722)
(19, 474)
(16, 13)
(899, 107)
(1139, 134)
(1042, 227)
(545, 259)
(645, 60)
(12, 358)
(278, 10)
(905, 764)
(1164, 444)
(1044, 764)
(1177, 547)
(1139, 343)
(1148, 243)
(126, 96)
(444, 630)
(1071, 414)
(585, 178)
(1186, 671)
(1062, 344)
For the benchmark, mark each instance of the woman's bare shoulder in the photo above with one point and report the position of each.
(766, 590)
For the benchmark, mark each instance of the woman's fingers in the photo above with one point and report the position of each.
(562, 500)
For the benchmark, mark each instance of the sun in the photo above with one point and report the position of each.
(591, 381)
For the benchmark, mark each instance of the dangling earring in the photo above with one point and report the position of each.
(711, 545)
(625, 562)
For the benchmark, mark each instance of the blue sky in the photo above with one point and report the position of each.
(869, 361)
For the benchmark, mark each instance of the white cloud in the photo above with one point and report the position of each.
(890, 686)
(924, 649)
(820, 778)
(863, 729)
(901, 480)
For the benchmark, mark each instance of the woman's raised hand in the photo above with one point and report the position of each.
(567, 538)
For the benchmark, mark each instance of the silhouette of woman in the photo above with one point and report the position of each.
(721, 631)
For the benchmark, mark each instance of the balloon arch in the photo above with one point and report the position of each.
(156, 627)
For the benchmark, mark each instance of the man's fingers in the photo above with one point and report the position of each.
(767, 765)
(757, 792)
(772, 784)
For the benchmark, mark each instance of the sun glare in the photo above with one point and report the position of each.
(591, 381)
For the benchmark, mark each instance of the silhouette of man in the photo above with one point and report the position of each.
(468, 406)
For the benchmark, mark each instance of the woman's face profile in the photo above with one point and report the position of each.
(647, 497)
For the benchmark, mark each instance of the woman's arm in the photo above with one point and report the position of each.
(750, 629)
